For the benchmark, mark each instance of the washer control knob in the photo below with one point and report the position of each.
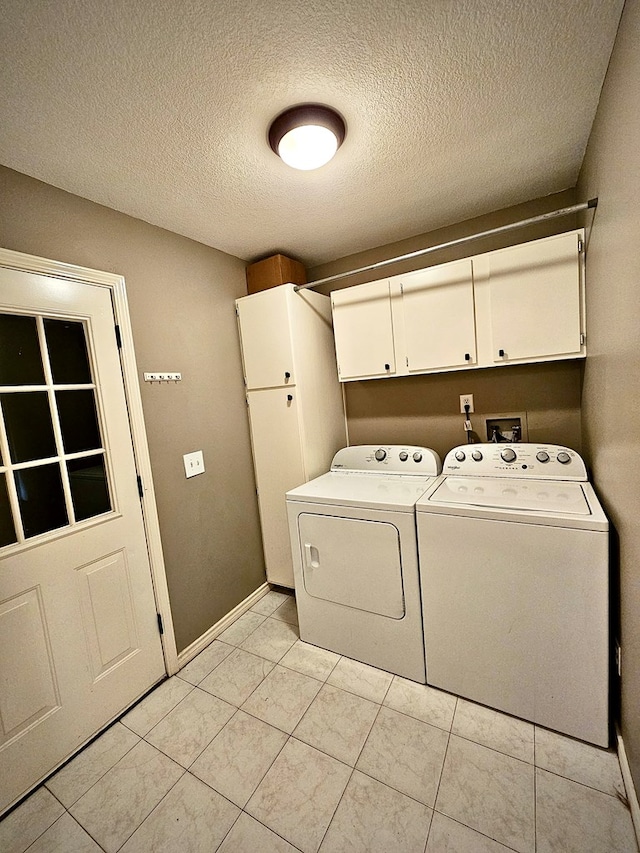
(460, 455)
(380, 454)
(542, 456)
(477, 455)
(508, 454)
(417, 456)
(403, 455)
(563, 457)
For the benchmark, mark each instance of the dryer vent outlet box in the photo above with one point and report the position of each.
(507, 427)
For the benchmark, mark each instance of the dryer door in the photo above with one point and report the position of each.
(353, 562)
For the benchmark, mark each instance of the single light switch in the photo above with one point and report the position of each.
(193, 463)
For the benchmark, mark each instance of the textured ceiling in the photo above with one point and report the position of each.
(160, 109)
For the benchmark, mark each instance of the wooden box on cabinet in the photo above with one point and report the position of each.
(274, 271)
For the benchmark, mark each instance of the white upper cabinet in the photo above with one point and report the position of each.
(363, 331)
(521, 304)
(438, 315)
(267, 352)
(535, 299)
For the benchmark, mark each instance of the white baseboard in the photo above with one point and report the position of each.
(209, 636)
(632, 795)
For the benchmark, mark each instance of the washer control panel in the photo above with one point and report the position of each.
(542, 461)
(388, 459)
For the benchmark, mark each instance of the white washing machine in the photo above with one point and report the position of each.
(514, 569)
(355, 561)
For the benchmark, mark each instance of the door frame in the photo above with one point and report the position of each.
(22, 262)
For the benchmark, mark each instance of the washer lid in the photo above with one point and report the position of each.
(385, 492)
(537, 495)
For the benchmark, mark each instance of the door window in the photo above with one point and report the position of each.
(53, 468)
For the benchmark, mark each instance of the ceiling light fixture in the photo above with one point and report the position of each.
(306, 137)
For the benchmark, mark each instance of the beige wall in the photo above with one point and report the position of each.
(181, 299)
(611, 402)
(424, 410)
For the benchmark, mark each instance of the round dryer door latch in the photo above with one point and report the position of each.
(380, 454)
(508, 454)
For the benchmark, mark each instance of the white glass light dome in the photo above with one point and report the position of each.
(307, 137)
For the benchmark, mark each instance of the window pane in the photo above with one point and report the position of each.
(27, 418)
(20, 359)
(67, 352)
(7, 530)
(78, 421)
(89, 489)
(41, 499)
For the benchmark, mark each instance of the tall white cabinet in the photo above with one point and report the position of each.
(296, 411)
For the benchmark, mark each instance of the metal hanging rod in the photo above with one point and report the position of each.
(563, 211)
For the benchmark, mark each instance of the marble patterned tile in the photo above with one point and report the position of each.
(572, 818)
(65, 836)
(132, 789)
(449, 836)
(422, 702)
(282, 698)
(337, 723)
(489, 792)
(271, 640)
(299, 794)
(235, 679)
(270, 602)
(361, 679)
(191, 726)
(147, 713)
(191, 818)
(83, 771)
(373, 818)
(406, 754)
(237, 759)
(239, 630)
(491, 728)
(250, 836)
(581, 762)
(205, 662)
(28, 821)
(310, 660)
(287, 611)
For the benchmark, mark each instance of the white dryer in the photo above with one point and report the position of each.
(355, 562)
(514, 572)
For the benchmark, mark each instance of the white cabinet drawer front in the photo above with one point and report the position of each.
(363, 330)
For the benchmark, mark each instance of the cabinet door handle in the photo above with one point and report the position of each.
(387, 367)
(289, 397)
(287, 375)
(467, 356)
(501, 353)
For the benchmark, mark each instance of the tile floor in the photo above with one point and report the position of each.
(265, 744)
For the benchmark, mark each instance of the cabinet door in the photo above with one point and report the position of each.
(438, 313)
(363, 331)
(265, 335)
(534, 292)
(278, 461)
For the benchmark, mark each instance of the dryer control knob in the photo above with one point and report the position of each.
(417, 457)
(563, 457)
(477, 455)
(380, 454)
(460, 455)
(508, 454)
(542, 456)
(403, 455)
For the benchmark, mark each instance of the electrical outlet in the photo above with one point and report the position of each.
(466, 400)
(193, 463)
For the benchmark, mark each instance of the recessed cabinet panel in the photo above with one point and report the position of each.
(266, 339)
(534, 292)
(363, 331)
(438, 313)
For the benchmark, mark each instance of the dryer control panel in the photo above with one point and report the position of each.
(542, 461)
(388, 459)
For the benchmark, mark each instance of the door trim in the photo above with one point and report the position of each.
(116, 285)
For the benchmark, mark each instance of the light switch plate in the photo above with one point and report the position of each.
(193, 463)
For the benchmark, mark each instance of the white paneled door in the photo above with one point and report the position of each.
(79, 638)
